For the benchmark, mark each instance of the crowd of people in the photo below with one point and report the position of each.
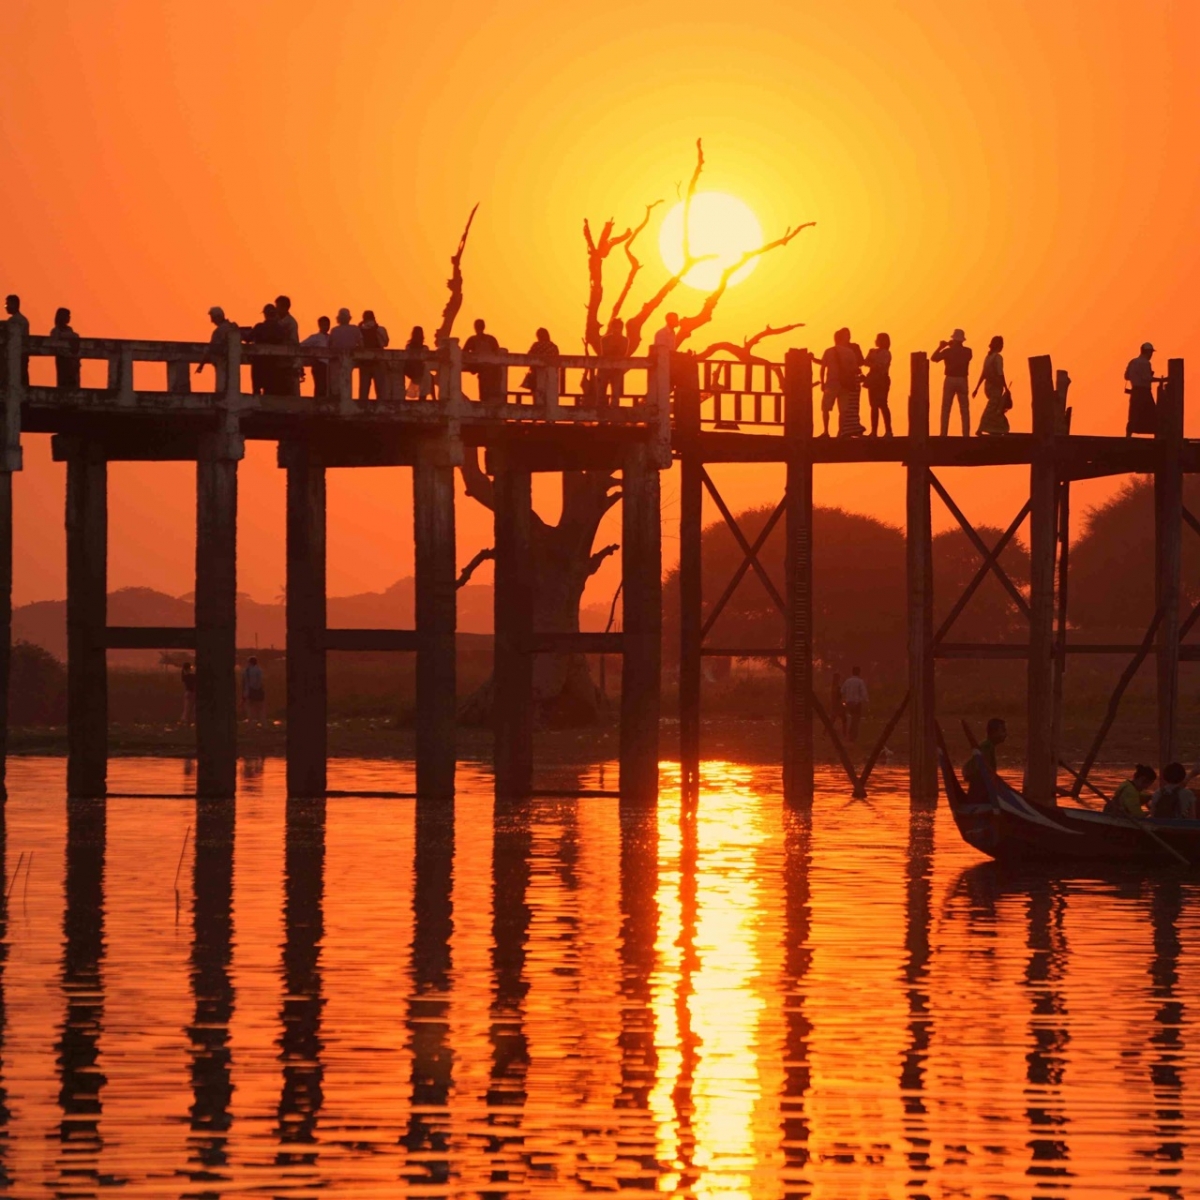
(845, 371)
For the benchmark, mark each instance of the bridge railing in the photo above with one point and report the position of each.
(741, 394)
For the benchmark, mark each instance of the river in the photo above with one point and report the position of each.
(366, 998)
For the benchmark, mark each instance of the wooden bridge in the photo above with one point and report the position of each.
(714, 413)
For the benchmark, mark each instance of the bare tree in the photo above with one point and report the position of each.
(563, 557)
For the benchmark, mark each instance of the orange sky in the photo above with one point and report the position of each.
(1022, 168)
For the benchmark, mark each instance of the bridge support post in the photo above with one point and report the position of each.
(216, 615)
(12, 376)
(922, 739)
(1041, 765)
(436, 601)
(691, 588)
(307, 689)
(512, 671)
(641, 605)
(87, 615)
(798, 711)
(1168, 552)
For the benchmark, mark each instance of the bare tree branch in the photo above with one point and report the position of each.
(478, 485)
(598, 250)
(599, 557)
(745, 352)
(634, 264)
(469, 570)
(455, 284)
(690, 324)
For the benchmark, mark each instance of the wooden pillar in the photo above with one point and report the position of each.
(512, 671)
(1041, 763)
(87, 616)
(436, 599)
(1168, 547)
(691, 588)
(798, 709)
(1060, 621)
(216, 615)
(6, 574)
(922, 739)
(641, 606)
(307, 690)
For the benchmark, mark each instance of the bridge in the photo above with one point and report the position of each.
(144, 407)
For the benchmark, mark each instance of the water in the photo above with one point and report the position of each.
(543, 1001)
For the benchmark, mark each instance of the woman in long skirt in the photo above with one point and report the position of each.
(999, 399)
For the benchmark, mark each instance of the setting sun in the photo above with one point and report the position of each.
(721, 225)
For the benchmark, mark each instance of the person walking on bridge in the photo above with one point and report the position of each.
(879, 383)
(344, 338)
(291, 370)
(319, 366)
(849, 384)
(1143, 412)
(374, 337)
(17, 323)
(999, 399)
(957, 357)
(491, 377)
(224, 332)
(66, 341)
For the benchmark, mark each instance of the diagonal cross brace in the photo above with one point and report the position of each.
(750, 552)
(992, 557)
(981, 546)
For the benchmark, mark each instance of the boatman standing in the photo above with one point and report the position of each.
(1143, 412)
(997, 734)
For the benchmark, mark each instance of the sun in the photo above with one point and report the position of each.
(721, 225)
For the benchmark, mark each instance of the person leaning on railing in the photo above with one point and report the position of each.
(66, 343)
(218, 345)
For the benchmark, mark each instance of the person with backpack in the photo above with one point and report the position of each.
(1174, 799)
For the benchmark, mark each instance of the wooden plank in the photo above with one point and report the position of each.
(307, 639)
(1041, 765)
(691, 586)
(150, 637)
(436, 618)
(922, 734)
(798, 610)
(216, 618)
(1168, 556)
(401, 640)
(641, 605)
(87, 603)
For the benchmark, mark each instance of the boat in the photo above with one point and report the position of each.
(1009, 828)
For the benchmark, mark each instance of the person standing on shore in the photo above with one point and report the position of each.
(254, 693)
(187, 677)
(957, 357)
(854, 693)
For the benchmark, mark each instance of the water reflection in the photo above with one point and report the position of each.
(5, 1179)
(1167, 1037)
(918, 951)
(300, 1039)
(427, 1139)
(212, 991)
(81, 1079)
(797, 1067)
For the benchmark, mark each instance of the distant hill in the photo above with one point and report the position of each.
(44, 623)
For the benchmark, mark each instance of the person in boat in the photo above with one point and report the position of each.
(997, 735)
(1174, 798)
(1130, 799)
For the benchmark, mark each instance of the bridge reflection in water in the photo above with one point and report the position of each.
(728, 999)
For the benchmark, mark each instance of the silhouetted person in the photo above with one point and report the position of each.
(254, 692)
(879, 383)
(1143, 412)
(187, 677)
(829, 386)
(319, 366)
(218, 345)
(290, 370)
(66, 344)
(854, 693)
(345, 338)
(668, 335)
(1130, 799)
(957, 357)
(997, 735)
(267, 374)
(16, 324)
(999, 400)
(1174, 799)
(415, 369)
(849, 384)
(613, 345)
(491, 378)
(374, 337)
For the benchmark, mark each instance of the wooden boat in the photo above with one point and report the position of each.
(1011, 829)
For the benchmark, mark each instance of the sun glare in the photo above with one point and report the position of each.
(721, 225)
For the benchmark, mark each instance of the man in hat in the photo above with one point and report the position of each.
(1143, 412)
(957, 357)
(224, 331)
